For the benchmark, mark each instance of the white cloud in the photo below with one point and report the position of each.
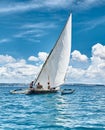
(14, 7)
(18, 70)
(15, 70)
(42, 56)
(19, 7)
(75, 73)
(98, 50)
(6, 59)
(33, 5)
(97, 67)
(33, 32)
(94, 73)
(76, 55)
(58, 3)
(33, 58)
(86, 4)
(39, 25)
(29, 32)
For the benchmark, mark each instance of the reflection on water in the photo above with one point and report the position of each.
(85, 108)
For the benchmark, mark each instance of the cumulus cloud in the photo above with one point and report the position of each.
(6, 59)
(94, 73)
(19, 70)
(16, 70)
(33, 58)
(98, 50)
(41, 57)
(76, 55)
(97, 67)
(75, 73)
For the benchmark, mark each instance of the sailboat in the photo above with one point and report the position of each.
(54, 69)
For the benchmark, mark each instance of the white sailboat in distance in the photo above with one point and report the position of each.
(54, 69)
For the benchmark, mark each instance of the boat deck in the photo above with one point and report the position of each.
(41, 91)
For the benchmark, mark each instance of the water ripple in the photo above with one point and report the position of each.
(83, 110)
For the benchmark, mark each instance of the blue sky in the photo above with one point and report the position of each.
(30, 28)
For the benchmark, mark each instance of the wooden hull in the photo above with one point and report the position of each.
(33, 91)
(41, 91)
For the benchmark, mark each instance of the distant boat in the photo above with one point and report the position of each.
(54, 69)
(67, 91)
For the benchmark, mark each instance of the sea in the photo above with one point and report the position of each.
(82, 110)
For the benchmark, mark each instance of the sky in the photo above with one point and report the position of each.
(30, 28)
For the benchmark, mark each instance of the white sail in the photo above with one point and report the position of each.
(54, 68)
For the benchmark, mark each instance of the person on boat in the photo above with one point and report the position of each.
(39, 86)
(31, 84)
(49, 85)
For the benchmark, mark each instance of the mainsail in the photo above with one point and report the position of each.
(55, 66)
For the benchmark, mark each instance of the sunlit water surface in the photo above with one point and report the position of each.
(84, 109)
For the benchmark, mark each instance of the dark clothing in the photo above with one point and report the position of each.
(31, 84)
(39, 86)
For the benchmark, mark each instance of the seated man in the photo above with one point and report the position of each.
(39, 86)
(49, 86)
(31, 84)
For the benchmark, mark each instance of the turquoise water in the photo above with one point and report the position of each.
(82, 110)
